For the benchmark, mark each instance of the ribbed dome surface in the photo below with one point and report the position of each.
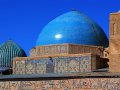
(74, 28)
(8, 51)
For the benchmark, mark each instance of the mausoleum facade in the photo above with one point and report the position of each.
(72, 52)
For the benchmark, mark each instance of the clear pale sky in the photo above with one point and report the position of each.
(23, 20)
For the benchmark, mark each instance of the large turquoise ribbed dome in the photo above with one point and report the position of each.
(8, 51)
(72, 27)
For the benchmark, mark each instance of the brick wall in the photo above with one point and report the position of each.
(66, 49)
(114, 47)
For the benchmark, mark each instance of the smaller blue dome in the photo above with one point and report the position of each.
(8, 51)
(74, 28)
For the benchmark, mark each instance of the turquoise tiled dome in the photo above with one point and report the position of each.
(8, 51)
(75, 28)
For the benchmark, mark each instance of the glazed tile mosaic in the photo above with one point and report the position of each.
(54, 65)
(67, 84)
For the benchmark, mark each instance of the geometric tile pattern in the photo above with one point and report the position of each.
(20, 67)
(30, 66)
(14, 85)
(66, 84)
(85, 64)
(54, 65)
(40, 66)
(61, 65)
(73, 64)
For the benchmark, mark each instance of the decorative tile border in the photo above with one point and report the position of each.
(67, 84)
(54, 65)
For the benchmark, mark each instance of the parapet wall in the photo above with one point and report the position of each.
(63, 84)
(71, 63)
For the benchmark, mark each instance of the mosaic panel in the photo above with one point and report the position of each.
(56, 84)
(20, 67)
(4, 86)
(30, 66)
(85, 83)
(40, 66)
(47, 85)
(114, 84)
(93, 83)
(61, 65)
(54, 65)
(85, 64)
(38, 85)
(27, 85)
(67, 84)
(73, 64)
(14, 85)
(103, 83)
